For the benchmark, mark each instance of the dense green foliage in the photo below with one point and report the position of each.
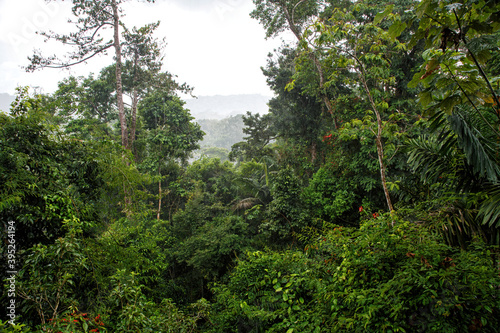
(366, 200)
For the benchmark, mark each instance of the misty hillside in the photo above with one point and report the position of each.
(222, 133)
(220, 107)
(5, 100)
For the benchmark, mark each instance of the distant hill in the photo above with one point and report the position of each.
(220, 117)
(5, 101)
(219, 137)
(222, 133)
(220, 107)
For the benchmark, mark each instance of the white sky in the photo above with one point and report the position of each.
(213, 45)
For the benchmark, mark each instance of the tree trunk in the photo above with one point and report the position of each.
(313, 152)
(119, 97)
(378, 138)
(159, 193)
(135, 101)
(119, 85)
(380, 153)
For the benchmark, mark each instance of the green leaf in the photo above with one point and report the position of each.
(396, 29)
(381, 15)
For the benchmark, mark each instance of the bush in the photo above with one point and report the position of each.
(6, 327)
(377, 278)
(404, 278)
(268, 292)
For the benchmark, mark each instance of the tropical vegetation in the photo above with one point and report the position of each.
(366, 200)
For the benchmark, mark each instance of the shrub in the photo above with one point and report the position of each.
(405, 279)
(377, 278)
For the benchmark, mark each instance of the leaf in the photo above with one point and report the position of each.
(490, 208)
(381, 15)
(425, 97)
(449, 103)
(422, 8)
(396, 29)
(482, 43)
(479, 152)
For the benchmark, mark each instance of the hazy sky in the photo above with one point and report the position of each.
(213, 45)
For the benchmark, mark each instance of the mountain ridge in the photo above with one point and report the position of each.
(224, 106)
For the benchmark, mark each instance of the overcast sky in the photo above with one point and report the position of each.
(213, 45)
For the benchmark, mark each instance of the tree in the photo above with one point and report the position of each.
(50, 182)
(295, 15)
(142, 73)
(171, 134)
(142, 70)
(295, 116)
(84, 106)
(255, 145)
(92, 20)
(359, 45)
(47, 183)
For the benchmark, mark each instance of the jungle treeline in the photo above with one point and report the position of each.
(366, 200)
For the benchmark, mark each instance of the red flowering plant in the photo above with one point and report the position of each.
(74, 321)
(329, 139)
(367, 214)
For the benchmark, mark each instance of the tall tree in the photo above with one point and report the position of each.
(171, 134)
(295, 16)
(142, 72)
(355, 48)
(93, 19)
(296, 117)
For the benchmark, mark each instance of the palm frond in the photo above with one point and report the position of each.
(246, 203)
(479, 151)
(490, 208)
(431, 158)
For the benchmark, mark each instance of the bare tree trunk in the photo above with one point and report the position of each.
(133, 125)
(119, 97)
(313, 152)
(135, 101)
(380, 153)
(378, 138)
(159, 193)
(119, 85)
